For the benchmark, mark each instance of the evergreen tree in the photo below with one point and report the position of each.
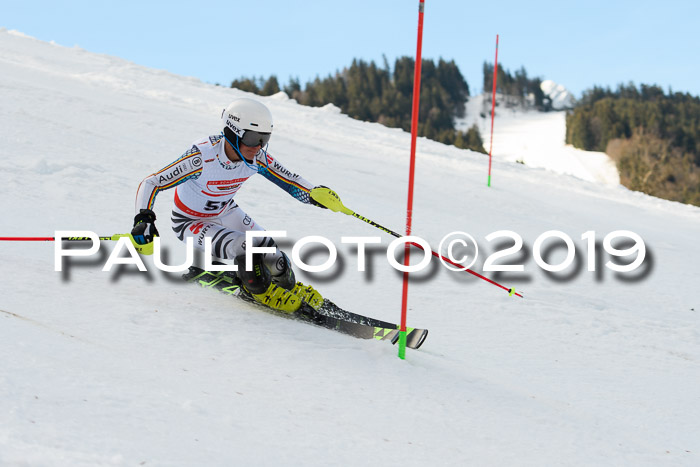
(368, 92)
(293, 89)
(270, 87)
(517, 88)
(246, 84)
(654, 137)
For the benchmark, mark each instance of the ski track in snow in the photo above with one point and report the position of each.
(127, 368)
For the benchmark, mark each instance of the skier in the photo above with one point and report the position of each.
(206, 178)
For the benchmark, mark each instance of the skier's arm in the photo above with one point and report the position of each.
(295, 185)
(188, 166)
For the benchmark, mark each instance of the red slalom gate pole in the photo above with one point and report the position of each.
(146, 249)
(493, 106)
(53, 239)
(411, 176)
(27, 239)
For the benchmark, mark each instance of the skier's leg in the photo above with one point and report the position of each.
(277, 262)
(228, 244)
(227, 234)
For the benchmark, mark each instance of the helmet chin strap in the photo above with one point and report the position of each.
(236, 147)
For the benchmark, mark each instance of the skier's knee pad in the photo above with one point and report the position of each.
(258, 279)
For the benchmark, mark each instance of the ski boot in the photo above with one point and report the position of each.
(308, 294)
(258, 283)
(285, 278)
(279, 299)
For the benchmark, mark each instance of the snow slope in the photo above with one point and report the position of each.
(536, 139)
(129, 368)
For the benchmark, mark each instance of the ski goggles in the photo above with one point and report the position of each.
(254, 138)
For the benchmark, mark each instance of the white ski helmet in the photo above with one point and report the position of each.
(247, 115)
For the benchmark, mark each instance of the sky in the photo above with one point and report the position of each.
(577, 44)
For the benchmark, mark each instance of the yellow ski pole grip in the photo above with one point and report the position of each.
(330, 199)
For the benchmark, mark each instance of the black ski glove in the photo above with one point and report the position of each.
(144, 227)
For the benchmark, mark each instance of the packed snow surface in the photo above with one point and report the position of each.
(131, 368)
(535, 139)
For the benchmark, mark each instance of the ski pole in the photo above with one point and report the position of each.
(328, 198)
(146, 249)
(114, 237)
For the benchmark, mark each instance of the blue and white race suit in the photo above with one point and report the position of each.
(205, 183)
